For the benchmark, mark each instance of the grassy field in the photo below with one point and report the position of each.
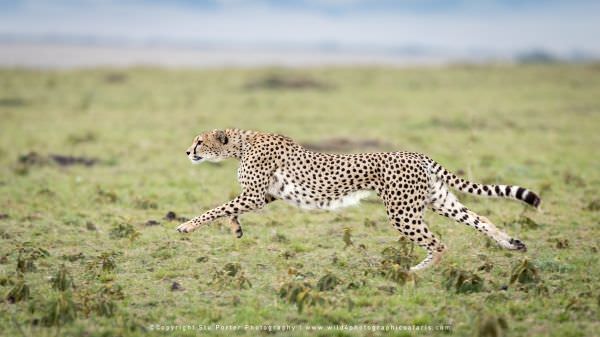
(91, 162)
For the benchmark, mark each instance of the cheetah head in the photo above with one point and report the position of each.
(210, 146)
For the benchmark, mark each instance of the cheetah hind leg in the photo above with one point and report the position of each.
(450, 207)
(434, 255)
(236, 228)
(417, 231)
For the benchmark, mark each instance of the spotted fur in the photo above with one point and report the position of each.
(275, 167)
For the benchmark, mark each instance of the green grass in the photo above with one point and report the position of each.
(534, 126)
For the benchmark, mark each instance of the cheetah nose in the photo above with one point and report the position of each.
(187, 152)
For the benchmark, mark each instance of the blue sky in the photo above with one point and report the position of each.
(497, 25)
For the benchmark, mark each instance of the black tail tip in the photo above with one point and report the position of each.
(532, 199)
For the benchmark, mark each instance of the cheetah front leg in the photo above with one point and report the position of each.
(245, 202)
(254, 196)
(234, 223)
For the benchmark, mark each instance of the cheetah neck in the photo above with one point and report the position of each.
(240, 139)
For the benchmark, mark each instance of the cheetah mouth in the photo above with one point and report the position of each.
(196, 159)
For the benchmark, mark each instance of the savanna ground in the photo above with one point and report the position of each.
(86, 247)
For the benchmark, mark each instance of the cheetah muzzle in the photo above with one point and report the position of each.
(274, 167)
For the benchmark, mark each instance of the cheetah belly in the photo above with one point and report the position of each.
(348, 200)
(286, 189)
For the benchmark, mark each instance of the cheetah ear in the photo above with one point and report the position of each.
(221, 137)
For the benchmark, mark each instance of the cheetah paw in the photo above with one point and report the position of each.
(239, 233)
(517, 245)
(186, 227)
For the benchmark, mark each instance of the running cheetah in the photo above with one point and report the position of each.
(275, 167)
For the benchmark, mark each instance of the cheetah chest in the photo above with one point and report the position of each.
(284, 187)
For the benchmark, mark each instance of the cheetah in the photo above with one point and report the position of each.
(275, 167)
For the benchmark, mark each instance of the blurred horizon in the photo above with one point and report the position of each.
(295, 32)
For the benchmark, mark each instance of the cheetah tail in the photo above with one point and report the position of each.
(505, 191)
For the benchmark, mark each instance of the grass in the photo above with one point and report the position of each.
(86, 248)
